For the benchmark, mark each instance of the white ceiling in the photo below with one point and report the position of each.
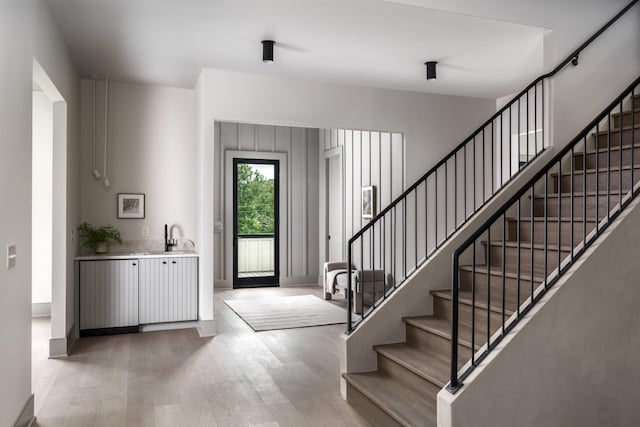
(365, 42)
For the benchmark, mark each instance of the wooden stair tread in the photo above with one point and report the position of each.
(604, 150)
(441, 327)
(527, 245)
(430, 365)
(551, 219)
(614, 130)
(612, 169)
(466, 297)
(497, 271)
(397, 400)
(552, 196)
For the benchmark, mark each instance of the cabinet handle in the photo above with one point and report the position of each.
(164, 262)
(173, 262)
(134, 264)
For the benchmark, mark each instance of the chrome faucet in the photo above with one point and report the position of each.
(168, 242)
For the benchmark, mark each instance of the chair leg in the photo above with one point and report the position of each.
(327, 296)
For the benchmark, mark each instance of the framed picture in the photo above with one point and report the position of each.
(130, 205)
(368, 202)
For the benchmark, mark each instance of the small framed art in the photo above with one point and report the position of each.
(368, 202)
(130, 205)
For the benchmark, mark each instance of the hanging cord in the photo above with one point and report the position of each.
(96, 172)
(105, 180)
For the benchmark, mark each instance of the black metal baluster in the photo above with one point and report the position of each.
(415, 230)
(559, 210)
(465, 182)
(349, 290)
(404, 238)
(454, 383)
(383, 249)
(510, 143)
(535, 116)
(518, 263)
(608, 167)
(501, 151)
(620, 157)
(493, 178)
(455, 191)
(546, 227)
(484, 172)
(436, 207)
(488, 288)
(372, 263)
(531, 211)
(571, 240)
(504, 271)
(475, 185)
(633, 138)
(426, 218)
(519, 136)
(597, 180)
(584, 192)
(446, 204)
(362, 280)
(394, 247)
(473, 303)
(527, 128)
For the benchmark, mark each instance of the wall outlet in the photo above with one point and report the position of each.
(11, 255)
(217, 227)
(145, 231)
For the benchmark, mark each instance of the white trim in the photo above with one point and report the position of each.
(207, 328)
(168, 326)
(26, 417)
(333, 152)
(228, 207)
(41, 309)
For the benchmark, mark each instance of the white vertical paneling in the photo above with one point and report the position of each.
(300, 217)
(108, 294)
(266, 138)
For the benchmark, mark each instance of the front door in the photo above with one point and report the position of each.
(255, 223)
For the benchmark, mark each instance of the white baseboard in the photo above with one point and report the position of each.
(26, 417)
(61, 347)
(41, 309)
(207, 328)
(167, 326)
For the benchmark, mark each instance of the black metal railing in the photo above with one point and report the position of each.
(530, 242)
(406, 233)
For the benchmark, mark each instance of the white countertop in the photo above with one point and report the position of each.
(136, 255)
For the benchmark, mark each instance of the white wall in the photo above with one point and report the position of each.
(42, 195)
(573, 359)
(26, 31)
(431, 124)
(298, 219)
(151, 150)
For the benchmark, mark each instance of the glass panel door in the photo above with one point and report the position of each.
(255, 225)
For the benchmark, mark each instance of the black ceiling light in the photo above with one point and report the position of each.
(267, 51)
(431, 69)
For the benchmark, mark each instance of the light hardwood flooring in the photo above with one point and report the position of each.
(174, 378)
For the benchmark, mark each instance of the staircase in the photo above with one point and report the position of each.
(522, 248)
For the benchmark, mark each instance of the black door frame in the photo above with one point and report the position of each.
(266, 281)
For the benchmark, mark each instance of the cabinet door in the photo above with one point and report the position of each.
(168, 290)
(108, 294)
(183, 282)
(154, 290)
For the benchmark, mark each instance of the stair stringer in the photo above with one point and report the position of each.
(385, 325)
(572, 360)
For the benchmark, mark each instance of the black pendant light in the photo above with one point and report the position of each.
(267, 51)
(431, 69)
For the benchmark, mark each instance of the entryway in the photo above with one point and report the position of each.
(255, 222)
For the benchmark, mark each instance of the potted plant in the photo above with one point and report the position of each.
(98, 238)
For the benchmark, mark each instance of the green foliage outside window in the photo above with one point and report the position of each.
(255, 201)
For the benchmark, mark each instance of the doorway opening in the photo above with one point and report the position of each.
(255, 222)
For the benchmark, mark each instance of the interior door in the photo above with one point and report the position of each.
(255, 223)
(334, 209)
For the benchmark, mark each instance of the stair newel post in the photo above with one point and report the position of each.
(454, 384)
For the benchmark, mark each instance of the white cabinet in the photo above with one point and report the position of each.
(168, 289)
(108, 294)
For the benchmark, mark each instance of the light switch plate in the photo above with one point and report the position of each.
(145, 231)
(11, 255)
(217, 227)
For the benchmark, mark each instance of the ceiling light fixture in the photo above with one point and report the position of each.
(267, 51)
(431, 69)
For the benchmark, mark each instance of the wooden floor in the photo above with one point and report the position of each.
(174, 378)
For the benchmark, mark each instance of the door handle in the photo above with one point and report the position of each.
(328, 237)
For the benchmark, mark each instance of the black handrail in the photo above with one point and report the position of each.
(575, 251)
(379, 220)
